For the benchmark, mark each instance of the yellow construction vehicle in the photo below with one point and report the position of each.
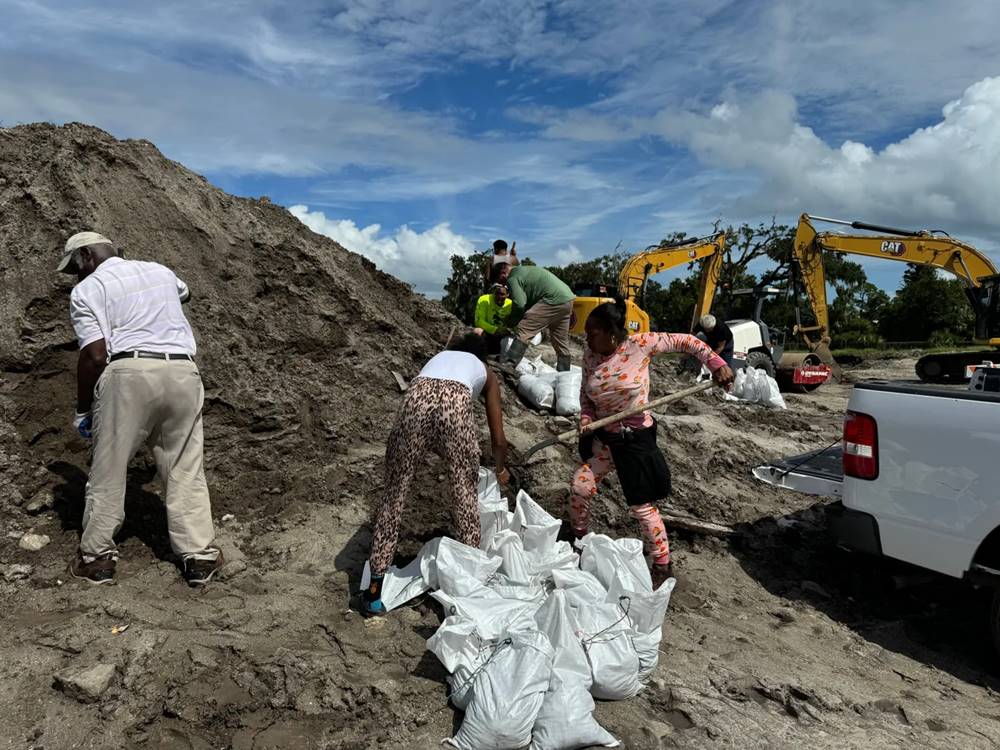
(638, 269)
(932, 248)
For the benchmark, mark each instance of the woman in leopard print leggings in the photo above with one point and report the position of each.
(437, 414)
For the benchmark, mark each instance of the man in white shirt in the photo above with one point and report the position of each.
(137, 382)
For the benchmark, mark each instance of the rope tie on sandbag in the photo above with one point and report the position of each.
(628, 602)
(481, 667)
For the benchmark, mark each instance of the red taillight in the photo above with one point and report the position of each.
(860, 446)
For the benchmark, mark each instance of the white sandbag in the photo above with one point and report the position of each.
(536, 391)
(567, 391)
(399, 584)
(492, 614)
(756, 386)
(566, 720)
(507, 695)
(556, 620)
(442, 563)
(459, 569)
(581, 587)
(493, 513)
(459, 648)
(646, 611)
(536, 339)
(507, 545)
(774, 397)
(608, 558)
(543, 562)
(607, 639)
(543, 368)
(524, 367)
(538, 530)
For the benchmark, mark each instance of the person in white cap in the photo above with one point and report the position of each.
(137, 382)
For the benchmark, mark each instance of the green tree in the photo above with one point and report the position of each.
(465, 285)
(927, 306)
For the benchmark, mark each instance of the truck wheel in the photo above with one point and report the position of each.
(761, 361)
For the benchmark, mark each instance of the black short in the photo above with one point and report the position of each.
(642, 468)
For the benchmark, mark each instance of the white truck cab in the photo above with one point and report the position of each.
(917, 474)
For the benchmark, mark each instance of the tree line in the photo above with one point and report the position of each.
(926, 308)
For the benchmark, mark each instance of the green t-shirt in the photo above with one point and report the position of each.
(530, 285)
(489, 315)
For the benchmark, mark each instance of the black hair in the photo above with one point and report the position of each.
(610, 317)
(496, 271)
(471, 343)
(499, 245)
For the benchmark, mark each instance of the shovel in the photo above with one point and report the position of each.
(599, 423)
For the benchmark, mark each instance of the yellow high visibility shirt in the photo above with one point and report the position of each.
(489, 315)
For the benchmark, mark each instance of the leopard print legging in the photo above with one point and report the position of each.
(436, 415)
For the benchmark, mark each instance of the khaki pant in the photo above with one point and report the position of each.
(555, 318)
(159, 401)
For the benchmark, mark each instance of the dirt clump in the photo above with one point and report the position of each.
(773, 639)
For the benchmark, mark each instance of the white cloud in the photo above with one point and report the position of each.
(422, 259)
(945, 174)
(567, 255)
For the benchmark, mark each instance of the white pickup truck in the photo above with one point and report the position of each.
(918, 474)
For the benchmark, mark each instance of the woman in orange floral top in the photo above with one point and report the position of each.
(616, 377)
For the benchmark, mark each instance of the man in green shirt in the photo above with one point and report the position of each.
(492, 311)
(540, 301)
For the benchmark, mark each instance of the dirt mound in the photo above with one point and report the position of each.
(296, 335)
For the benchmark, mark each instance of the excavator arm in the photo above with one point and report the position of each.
(922, 247)
(653, 260)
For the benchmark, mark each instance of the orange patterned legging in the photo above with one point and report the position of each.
(585, 481)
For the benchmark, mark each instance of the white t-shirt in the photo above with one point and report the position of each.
(461, 367)
(134, 306)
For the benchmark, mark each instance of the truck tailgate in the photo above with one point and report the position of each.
(818, 472)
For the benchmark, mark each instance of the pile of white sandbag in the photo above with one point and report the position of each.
(757, 387)
(544, 388)
(535, 628)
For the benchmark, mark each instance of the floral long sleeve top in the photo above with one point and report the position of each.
(620, 380)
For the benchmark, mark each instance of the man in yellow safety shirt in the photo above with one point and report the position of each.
(492, 311)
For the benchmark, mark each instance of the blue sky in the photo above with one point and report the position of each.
(412, 129)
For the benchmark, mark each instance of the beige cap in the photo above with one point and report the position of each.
(74, 243)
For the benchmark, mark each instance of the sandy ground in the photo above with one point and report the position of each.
(773, 639)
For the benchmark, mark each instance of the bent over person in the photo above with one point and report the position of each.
(437, 415)
(615, 378)
(541, 301)
(137, 383)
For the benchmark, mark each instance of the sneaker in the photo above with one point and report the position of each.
(98, 571)
(199, 572)
(660, 573)
(371, 599)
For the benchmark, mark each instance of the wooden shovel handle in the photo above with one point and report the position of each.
(638, 409)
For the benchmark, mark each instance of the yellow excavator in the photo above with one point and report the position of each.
(755, 344)
(638, 269)
(922, 247)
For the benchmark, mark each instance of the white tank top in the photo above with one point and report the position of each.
(461, 367)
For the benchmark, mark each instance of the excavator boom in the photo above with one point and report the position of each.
(651, 261)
